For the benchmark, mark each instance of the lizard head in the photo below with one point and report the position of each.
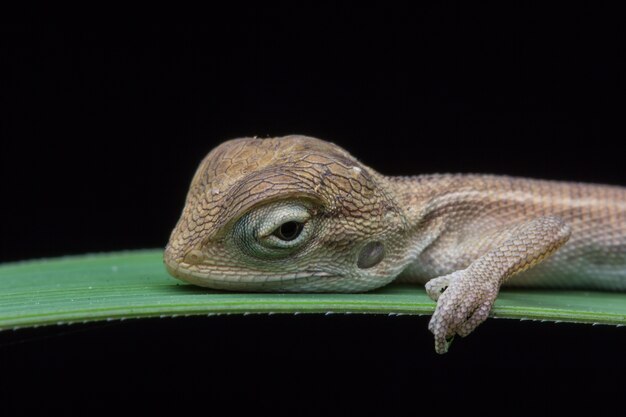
(286, 214)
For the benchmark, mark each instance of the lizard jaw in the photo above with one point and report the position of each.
(305, 281)
(302, 281)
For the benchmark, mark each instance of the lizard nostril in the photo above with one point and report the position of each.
(193, 257)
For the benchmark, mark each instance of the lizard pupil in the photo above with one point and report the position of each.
(289, 231)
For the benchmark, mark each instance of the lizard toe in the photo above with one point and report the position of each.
(444, 322)
(436, 286)
(479, 315)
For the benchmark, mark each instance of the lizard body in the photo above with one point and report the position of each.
(301, 214)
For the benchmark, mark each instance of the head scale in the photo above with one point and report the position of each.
(286, 214)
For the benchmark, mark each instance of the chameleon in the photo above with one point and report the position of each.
(300, 214)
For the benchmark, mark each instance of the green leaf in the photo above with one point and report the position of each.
(135, 284)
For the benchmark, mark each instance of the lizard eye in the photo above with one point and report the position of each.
(289, 231)
(275, 230)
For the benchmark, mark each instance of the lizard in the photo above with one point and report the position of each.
(300, 214)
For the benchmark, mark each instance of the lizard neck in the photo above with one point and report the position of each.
(426, 201)
(414, 195)
(429, 201)
(417, 198)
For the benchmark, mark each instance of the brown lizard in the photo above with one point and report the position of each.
(300, 214)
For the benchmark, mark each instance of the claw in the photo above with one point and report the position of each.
(442, 346)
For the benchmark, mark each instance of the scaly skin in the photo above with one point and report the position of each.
(300, 214)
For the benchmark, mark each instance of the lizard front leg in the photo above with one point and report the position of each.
(465, 297)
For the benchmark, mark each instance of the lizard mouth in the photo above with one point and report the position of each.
(302, 281)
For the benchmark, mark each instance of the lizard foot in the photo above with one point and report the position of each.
(463, 305)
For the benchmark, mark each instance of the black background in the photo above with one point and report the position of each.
(103, 125)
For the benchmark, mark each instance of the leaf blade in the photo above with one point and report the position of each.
(134, 284)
